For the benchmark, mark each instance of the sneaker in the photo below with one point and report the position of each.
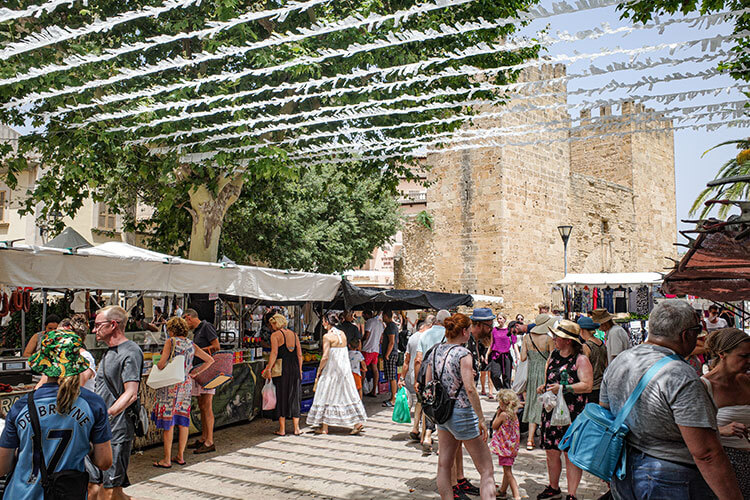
(458, 494)
(468, 488)
(194, 446)
(549, 493)
(387, 404)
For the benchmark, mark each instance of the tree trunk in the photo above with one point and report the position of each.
(208, 211)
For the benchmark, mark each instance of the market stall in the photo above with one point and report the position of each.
(121, 269)
(627, 293)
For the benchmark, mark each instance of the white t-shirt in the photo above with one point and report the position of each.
(720, 323)
(411, 349)
(376, 327)
(617, 342)
(355, 358)
(90, 383)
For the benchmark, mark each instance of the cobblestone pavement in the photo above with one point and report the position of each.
(252, 463)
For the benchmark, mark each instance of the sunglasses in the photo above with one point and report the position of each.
(695, 329)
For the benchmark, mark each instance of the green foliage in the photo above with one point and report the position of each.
(90, 161)
(645, 10)
(425, 218)
(11, 333)
(326, 221)
(732, 191)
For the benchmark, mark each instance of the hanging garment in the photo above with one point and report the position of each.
(578, 301)
(557, 298)
(586, 299)
(643, 300)
(620, 296)
(632, 300)
(608, 301)
(595, 299)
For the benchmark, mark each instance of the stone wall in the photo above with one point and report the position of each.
(496, 210)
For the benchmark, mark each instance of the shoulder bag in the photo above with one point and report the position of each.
(595, 441)
(135, 412)
(63, 485)
(173, 373)
(437, 403)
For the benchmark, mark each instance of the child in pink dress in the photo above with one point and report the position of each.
(506, 439)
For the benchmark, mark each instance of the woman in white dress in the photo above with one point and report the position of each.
(336, 399)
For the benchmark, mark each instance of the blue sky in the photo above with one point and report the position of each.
(692, 171)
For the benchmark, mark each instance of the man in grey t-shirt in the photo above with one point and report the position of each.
(117, 383)
(673, 444)
(617, 338)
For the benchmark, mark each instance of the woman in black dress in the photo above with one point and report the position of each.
(570, 371)
(285, 346)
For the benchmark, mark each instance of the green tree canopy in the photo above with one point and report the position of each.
(84, 140)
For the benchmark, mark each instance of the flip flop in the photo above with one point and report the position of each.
(279, 434)
(357, 430)
(160, 466)
(529, 446)
(180, 462)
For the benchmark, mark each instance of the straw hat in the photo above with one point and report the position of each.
(568, 330)
(543, 323)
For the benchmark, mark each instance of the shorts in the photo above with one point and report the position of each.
(117, 475)
(357, 380)
(463, 424)
(371, 358)
(198, 389)
(390, 367)
(505, 461)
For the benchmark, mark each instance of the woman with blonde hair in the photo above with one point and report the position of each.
(728, 383)
(172, 406)
(71, 419)
(285, 347)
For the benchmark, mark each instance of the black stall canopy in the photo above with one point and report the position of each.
(354, 298)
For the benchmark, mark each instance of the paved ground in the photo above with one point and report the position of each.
(252, 463)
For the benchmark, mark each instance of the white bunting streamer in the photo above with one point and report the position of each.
(57, 34)
(391, 40)
(423, 80)
(389, 86)
(666, 98)
(32, 10)
(350, 112)
(76, 60)
(491, 143)
(483, 49)
(723, 110)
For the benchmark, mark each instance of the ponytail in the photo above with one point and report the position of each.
(67, 393)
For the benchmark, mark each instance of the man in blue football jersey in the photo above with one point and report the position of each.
(71, 419)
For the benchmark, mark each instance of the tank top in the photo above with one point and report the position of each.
(729, 414)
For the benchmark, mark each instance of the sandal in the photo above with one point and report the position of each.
(320, 431)
(529, 445)
(161, 466)
(278, 433)
(180, 462)
(414, 436)
(357, 430)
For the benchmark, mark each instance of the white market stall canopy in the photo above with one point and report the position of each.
(603, 279)
(119, 266)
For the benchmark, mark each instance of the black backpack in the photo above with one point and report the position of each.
(437, 403)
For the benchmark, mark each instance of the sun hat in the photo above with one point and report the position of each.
(482, 314)
(601, 316)
(60, 355)
(587, 323)
(543, 322)
(568, 330)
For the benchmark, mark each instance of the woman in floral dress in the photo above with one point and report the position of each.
(173, 402)
(570, 371)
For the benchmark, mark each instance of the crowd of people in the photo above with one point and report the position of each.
(688, 430)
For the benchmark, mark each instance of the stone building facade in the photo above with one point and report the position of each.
(496, 210)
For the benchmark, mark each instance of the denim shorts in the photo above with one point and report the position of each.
(463, 424)
(650, 477)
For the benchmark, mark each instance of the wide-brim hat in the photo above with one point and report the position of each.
(59, 355)
(601, 316)
(543, 322)
(587, 323)
(482, 314)
(568, 330)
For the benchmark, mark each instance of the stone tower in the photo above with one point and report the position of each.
(496, 209)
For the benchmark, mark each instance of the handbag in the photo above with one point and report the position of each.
(595, 441)
(437, 404)
(522, 375)
(219, 373)
(66, 484)
(136, 413)
(173, 373)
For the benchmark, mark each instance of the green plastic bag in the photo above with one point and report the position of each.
(401, 413)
